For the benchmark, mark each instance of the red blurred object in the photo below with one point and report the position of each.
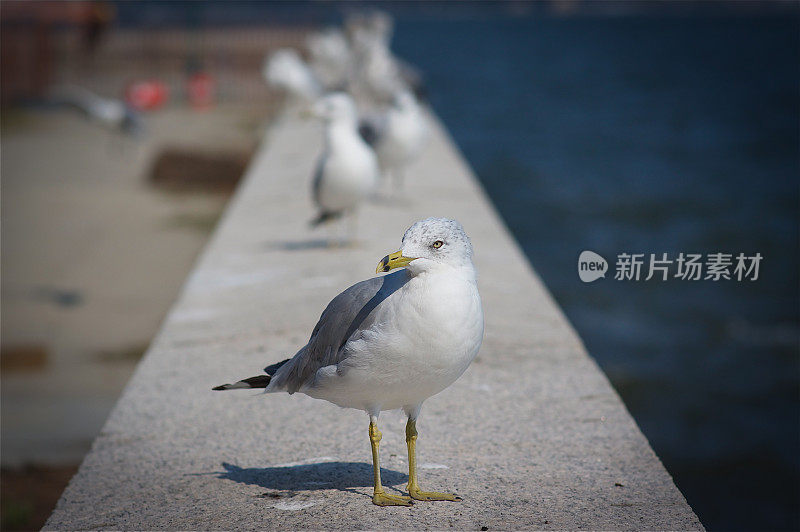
(202, 90)
(146, 95)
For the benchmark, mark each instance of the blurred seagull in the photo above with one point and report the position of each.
(347, 171)
(391, 342)
(331, 59)
(401, 137)
(377, 74)
(286, 71)
(111, 113)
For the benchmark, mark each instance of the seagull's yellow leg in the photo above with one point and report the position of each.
(379, 496)
(413, 486)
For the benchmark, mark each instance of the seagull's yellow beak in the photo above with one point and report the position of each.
(395, 260)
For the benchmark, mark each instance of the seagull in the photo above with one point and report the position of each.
(347, 171)
(402, 138)
(285, 70)
(109, 112)
(331, 58)
(376, 73)
(376, 76)
(391, 342)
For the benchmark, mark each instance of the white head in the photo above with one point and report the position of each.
(381, 25)
(328, 46)
(432, 244)
(370, 29)
(335, 107)
(285, 70)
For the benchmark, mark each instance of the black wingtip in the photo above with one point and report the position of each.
(259, 381)
(272, 368)
(325, 217)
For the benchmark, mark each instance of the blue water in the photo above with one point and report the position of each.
(651, 135)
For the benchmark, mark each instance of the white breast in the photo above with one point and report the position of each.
(404, 138)
(350, 172)
(424, 337)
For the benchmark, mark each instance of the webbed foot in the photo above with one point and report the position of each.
(418, 495)
(381, 498)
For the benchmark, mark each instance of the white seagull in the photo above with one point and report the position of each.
(376, 73)
(402, 139)
(347, 171)
(331, 58)
(286, 71)
(391, 342)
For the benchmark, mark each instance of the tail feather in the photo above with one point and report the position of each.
(259, 381)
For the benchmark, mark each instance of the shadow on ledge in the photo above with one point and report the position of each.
(298, 245)
(309, 477)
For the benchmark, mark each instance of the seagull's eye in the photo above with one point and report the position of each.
(438, 244)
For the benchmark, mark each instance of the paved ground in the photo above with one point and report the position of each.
(92, 258)
(532, 436)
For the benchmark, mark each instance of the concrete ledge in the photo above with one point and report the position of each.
(532, 436)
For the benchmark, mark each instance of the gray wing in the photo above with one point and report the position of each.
(344, 318)
(372, 127)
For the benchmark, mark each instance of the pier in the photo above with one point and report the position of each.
(532, 436)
